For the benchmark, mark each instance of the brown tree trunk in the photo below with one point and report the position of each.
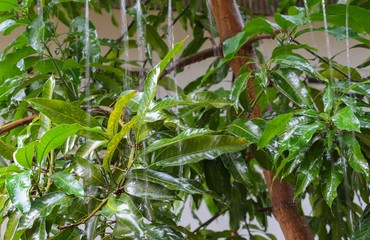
(284, 208)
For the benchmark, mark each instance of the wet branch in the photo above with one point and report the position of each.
(209, 221)
(17, 123)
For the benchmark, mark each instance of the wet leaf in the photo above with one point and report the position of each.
(248, 129)
(172, 183)
(61, 112)
(197, 149)
(289, 84)
(273, 128)
(116, 114)
(88, 147)
(55, 138)
(355, 157)
(114, 142)
(88, 171)
(42, 207)
(346, 119)
(332, 176)
(157, 43)
(309, 169)
(6, 150)
(127, 212)
(187, 134)
(239, 87)
(37, 34)
(238, 168)
(147, 190)
(47, 92)
(328, 99)
(11, 230)
(362, 231)
(68, 183)
(18, 187)
(24, 155)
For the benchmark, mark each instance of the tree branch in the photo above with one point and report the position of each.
(16, 123)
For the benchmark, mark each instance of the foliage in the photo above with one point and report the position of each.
(105, 154)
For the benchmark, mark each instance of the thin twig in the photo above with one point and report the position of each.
(16, 123)
(209, 221)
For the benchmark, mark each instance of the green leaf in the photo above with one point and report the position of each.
(362, 230)
(113, 144)
(157, 43)
(150, 85)
(127, 212)
(147, 190)
(7, 5)
(116, 114)
(187, 134)
(69, 234)
(328, 99)
(248, 129)
(55, 138)
(168, 181)
(18, 187)
(88, 147)
(11, 232)
(355, 157)
(197, 149)
(36, 34)
(310, 168)
(239, 86)
(61, 112)
(346, 119)
(68, 183)
(237, 167)
(42, 207)
(332, 176)
(273, 128)
(6, 150)
(47, 92)
(289, 84)
(88, 171)
(24, 155)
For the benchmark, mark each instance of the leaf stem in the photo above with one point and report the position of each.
(85, 219)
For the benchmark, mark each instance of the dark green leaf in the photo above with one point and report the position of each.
(18, 187)
(362, 231)
(68, 183)
(346, 119)
(238, 168)
(354, 156)
(187, 134)
(168, 181)
(88, 171)
(61, 112)
(239, 86)
(273, 128)
(289, 84)
(147, 190)
(332, 176)
(197, 149)
(157, 43)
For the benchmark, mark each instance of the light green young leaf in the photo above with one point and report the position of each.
(6, 150)
(61, 112)
(54, 138)
(68, 183)
(273, 128)
(197, 149)
(150, 86)
(11, 230)
(355, 157)
(24, 155)
(113, 143)
(18, 187)
(116, 114)
(7, 5)
(346, 119)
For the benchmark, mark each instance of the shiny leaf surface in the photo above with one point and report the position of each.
(345, 119)
(68, 183)
(18, 187)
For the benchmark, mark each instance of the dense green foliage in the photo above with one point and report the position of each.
(117, 162)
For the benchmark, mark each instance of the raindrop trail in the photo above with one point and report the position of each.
(328, 49)
(124, 35)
